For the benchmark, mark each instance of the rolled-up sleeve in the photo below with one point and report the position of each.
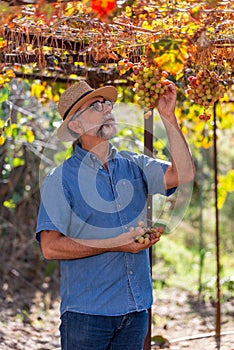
(153, 172)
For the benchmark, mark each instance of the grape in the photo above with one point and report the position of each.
(147, 240)
(141, 240)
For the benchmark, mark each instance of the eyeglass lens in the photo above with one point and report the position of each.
(98, 105)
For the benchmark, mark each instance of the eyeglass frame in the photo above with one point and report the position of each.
(104, 102)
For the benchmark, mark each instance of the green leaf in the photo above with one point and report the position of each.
(4, 93)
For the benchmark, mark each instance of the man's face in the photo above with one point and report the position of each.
(96, 123)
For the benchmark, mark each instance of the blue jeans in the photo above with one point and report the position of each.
(92, 332)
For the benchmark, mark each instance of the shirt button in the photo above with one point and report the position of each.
(100, 167)
(131, 272)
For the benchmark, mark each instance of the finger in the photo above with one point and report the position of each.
(156, 240)
(147, 243)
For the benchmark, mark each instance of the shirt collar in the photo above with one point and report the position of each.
(88, 157)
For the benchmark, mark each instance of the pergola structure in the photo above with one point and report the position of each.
(95, 40)
(69, 40)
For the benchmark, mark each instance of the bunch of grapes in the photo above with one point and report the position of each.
(205, 89)
(150, 84)
(147, 233)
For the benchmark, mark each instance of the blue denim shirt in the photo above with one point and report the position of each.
(82, 199)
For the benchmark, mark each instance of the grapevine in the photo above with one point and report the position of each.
(205, 89)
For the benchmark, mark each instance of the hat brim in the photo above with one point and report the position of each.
(107, 92)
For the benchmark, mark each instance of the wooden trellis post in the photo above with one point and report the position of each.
(148, 150)
(218, 311)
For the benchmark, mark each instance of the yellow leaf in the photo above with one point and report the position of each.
(30, 136)
(2, 140)
(10, 73)
(128, 11)
(9, 204)
(2, 123)
(18, 162)
(225, 185)
(2, 80)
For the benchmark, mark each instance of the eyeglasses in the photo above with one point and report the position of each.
(97, 105)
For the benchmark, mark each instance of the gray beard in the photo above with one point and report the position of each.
(106, 131)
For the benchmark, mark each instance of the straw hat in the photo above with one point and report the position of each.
(74, 97)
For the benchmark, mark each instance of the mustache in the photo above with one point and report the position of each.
(108, 117)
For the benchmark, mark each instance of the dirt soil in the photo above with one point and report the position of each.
(187, 323)
(179, 321)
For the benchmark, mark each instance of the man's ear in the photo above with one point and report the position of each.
(75, 126)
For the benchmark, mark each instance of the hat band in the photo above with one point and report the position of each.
(74, 103)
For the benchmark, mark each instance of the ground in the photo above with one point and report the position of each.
(188, 323)
(179, 320)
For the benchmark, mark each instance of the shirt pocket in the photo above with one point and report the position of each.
(138, 193)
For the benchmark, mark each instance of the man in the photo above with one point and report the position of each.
(89, 215)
